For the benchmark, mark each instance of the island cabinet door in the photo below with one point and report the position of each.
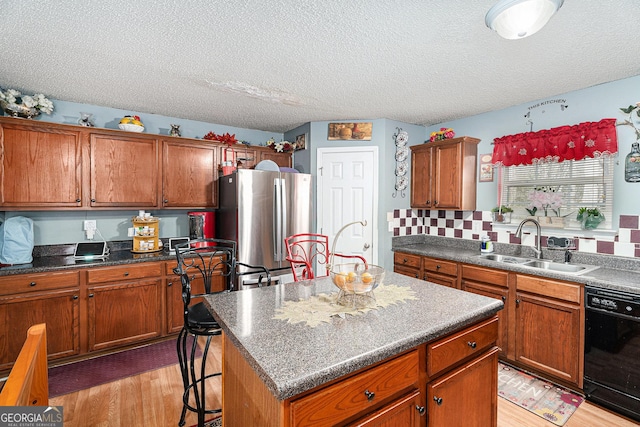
(466, 396)
(406, 412)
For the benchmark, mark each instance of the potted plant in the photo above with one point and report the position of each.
(502, 214)
(589, 218)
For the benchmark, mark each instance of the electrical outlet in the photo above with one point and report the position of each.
(90, 225)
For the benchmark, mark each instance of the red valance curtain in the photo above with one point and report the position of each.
(589, 139)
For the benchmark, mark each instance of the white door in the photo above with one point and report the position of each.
(347, 188)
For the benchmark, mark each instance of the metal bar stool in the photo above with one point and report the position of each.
(208, 266)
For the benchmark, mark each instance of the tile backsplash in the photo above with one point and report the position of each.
(472, 225)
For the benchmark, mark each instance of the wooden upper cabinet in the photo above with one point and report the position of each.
(443, 174)
(282, 159)
(124, 171)
(189, 175)
(245, 156)
(41, 166)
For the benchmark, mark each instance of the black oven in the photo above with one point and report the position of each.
(612, 350)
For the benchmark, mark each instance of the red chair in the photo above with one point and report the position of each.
(307, 250)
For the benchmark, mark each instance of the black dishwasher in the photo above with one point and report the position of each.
(612, 350)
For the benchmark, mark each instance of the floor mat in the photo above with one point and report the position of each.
(104, 369)
(547, 400)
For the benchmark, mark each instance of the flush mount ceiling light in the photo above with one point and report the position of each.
(515, 19)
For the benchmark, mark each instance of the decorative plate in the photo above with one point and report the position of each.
(401, 183)
(401, 154)
(402, 138)
(401, 169)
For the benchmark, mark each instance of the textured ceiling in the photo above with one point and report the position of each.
(276, 64)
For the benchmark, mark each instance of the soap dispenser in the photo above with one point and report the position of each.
(486, 245)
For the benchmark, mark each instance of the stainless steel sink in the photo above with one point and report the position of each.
(574, 269)
(505, 258)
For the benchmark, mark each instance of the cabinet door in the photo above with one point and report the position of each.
(548, 336)
(244, 156)
(405, 412)
(124, 171)
(282, 159)
(41, 167)
(420, 177)
(467, 396)
(496, 292)
(58, 309)
(121, 314)
(447, 188)
(189, 175)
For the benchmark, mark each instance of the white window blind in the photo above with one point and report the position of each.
(582, 183)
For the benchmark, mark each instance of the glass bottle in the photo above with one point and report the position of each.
(632, 164)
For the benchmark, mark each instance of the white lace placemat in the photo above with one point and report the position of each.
(320, 308)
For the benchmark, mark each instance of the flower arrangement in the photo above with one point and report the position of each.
(280, 147)
(589, 218)
(17, 104)
(629, 122)
(545, 198)
(443, 133)
(226, 138)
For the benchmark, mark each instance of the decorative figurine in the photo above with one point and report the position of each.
(86, 119)
(175, 130)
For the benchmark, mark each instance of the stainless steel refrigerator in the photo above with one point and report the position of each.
(258, 209)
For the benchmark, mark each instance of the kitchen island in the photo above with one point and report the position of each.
(429, 359)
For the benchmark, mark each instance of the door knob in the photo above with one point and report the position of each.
(366, 246)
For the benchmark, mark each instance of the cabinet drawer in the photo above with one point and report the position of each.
(406, 260)
(170, 265)
(359, 393)
(485, 275)
(561, 290)
(449, 351)
(120, 273)
(38, 281)
(441, 267)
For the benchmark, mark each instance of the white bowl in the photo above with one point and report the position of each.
(130, 127)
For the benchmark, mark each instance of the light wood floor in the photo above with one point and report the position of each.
(155, 399)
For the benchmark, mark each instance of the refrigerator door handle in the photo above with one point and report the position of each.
(283, 204)
(277, 219)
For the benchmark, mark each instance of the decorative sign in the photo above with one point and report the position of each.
(486, 168)
(350, 131)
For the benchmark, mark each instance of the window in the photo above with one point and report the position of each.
(581, 183)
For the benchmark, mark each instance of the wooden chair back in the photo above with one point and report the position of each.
(28, 382)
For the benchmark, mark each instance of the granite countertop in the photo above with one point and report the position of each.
(294, 357)
(47, 263)
(615, 273)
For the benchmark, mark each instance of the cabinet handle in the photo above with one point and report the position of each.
(170, 284)
(472, 344)
(32, 284)
(93, 200)
(370, 395)
(421, 409)
(126, 273)
(78, 200)
(417, 276)
(435, 203)
(517, 302)
(75, 297)
(428, 202)
(165, 201)
(404, 260)
(504, 298)
(438, 400)
(90, 295)
(437, 267)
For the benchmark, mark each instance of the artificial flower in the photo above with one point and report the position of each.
(443, 133)
(37, 101)
(280, 147)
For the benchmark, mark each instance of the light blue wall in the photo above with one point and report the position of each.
(586, 105)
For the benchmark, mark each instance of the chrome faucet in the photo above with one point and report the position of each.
(537, 249)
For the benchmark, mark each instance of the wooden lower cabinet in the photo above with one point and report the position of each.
(28, 299)
(494, 284)
(550, 327)
(438, 271)
(124, 305)
(407, 264)
(401, 412)
(460, 398)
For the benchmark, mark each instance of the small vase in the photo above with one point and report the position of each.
(86, 119)
(15, 110)
(175, 130)
(632, 164)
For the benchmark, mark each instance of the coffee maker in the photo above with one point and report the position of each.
(201, 225)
